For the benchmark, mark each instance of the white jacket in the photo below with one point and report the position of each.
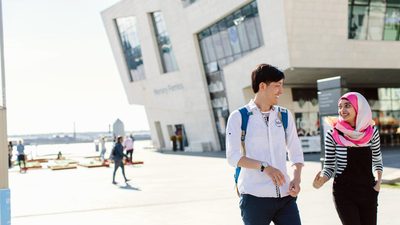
(263, 143)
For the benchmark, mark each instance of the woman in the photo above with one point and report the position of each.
(118, 156)
(352, 148)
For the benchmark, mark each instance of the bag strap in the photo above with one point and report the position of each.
(245, 119)
(283, 116)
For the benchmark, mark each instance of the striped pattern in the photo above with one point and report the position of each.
(336, 155)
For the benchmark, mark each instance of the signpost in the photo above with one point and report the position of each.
(329, 92)
(5, 218)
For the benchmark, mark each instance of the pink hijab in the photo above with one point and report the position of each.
(362, 133)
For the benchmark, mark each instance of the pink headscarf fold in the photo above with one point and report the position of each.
(362, 133)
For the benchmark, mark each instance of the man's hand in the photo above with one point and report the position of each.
(276, 175)
(319, 180)
(294, 187)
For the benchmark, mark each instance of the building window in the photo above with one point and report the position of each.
(232, 37)
(131, 46)
(306, 111)
(222, 43)
(374, 20)
(186, 3)
(386, 114)
(167, 56)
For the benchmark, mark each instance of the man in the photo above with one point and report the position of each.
(266, 191)
(21, 157)
(128, 146)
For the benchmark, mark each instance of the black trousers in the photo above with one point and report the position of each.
(117, 164)
(129, 154)
(357, 208)
(21, 158)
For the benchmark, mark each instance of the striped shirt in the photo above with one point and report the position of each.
(336, 155)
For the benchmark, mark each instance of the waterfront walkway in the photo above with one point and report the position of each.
(169, 189)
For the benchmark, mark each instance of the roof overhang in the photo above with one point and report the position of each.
(307, 77)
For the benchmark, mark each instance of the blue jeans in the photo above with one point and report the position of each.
(261, 211)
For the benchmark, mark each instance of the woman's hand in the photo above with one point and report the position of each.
(319, 180)
(377, 186)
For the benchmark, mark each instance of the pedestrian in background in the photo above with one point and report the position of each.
(118, 156)
(128, 146)
(267, 193)
(103, 147)
(96, 145)
(21, 157)
(352, 156)
(10, 150)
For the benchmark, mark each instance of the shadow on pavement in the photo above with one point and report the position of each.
(129, 187)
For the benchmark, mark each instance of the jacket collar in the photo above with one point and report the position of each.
(253, 107)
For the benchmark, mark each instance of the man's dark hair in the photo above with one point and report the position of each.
(265, 73)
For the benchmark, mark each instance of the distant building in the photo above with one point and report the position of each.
(118, 128)
(189, 62)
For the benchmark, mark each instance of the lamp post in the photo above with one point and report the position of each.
(5, 212)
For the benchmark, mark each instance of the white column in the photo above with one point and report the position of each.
(3, 120)
(5, 213)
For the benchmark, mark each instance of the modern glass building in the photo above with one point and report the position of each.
(198, 56)
(222, 43)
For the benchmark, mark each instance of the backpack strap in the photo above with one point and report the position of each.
(245, 119)
(283, 116)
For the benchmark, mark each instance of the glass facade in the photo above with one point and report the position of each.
(306, 111)
(167, 56)
(306, 115)
(222, 43)
(386, 114)
(374, 20)
(131, 46)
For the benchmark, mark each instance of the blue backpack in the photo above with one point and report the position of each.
(283, 116)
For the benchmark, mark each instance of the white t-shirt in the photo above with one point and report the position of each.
(128, 143)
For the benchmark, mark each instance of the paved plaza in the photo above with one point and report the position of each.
(168, 189)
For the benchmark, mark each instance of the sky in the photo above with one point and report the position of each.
(60, 70)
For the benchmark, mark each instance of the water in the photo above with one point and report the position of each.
(73, 150)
